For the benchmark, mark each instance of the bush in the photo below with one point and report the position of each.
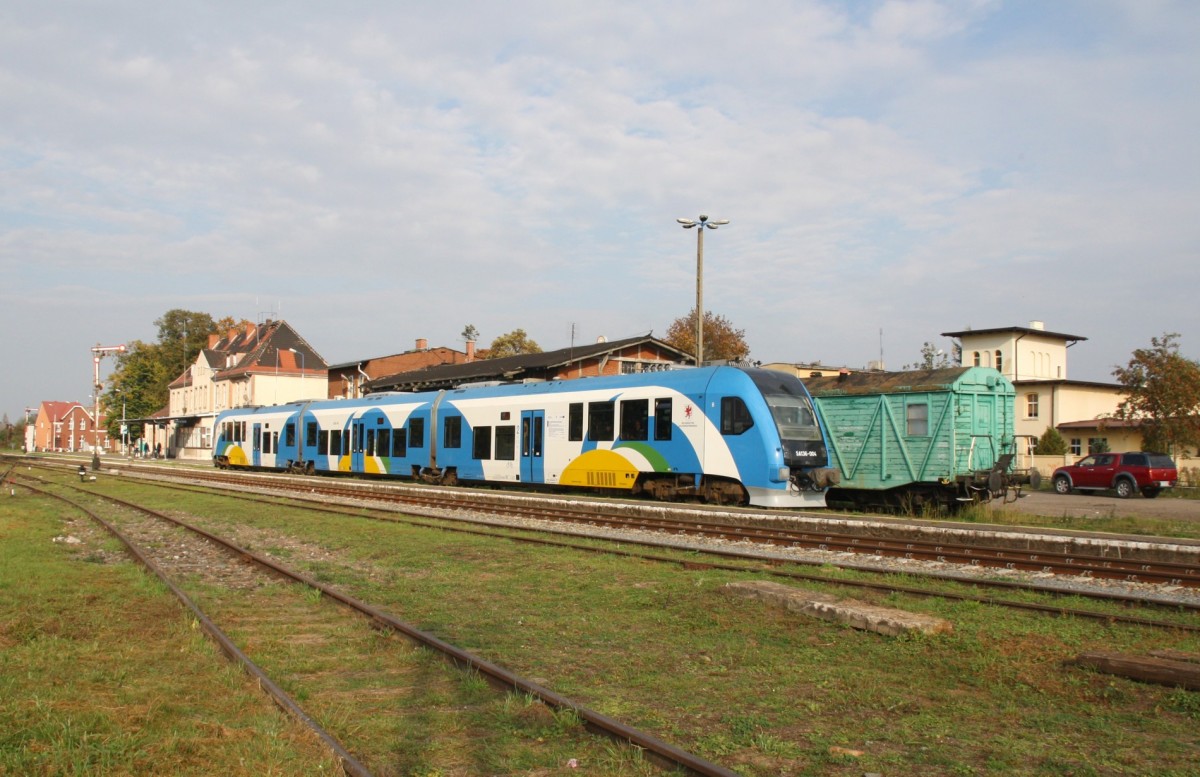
(1051, 443)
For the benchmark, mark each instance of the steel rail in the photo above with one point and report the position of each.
(770, 569)
(350, 765)
(662, 753)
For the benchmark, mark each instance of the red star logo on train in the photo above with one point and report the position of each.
(687, 412)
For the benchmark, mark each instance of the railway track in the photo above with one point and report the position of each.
(1039, 560)
(171, 548)
(766, 566)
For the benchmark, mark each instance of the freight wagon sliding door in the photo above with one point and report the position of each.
(532, 462)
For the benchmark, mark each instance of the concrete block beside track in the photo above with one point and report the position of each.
(859, 615)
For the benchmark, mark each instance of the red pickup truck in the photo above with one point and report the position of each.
(1124, 473)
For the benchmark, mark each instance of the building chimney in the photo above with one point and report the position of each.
(422, 344)
(470, 350)
(213, 339)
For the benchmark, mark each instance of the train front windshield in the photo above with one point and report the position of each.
(794, 416)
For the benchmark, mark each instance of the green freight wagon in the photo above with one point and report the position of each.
(941, 437)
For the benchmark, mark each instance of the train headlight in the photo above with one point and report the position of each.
(785, 474)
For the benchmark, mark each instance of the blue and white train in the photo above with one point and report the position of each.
(727, 435)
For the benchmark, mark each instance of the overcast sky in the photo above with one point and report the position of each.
(374, 173)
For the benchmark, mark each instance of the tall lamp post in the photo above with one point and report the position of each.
(701, 223)
(301, 355)
(98, 353)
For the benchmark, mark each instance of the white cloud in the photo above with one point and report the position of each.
(401, 170)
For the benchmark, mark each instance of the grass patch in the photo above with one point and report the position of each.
(760, 691)
(101, 674)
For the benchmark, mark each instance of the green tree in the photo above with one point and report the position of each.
(182, 334)
(144, 371)
(470, 333)
(932, 358)
(1051, 443)
(721, 340)
(514, 343)
(1163, 389)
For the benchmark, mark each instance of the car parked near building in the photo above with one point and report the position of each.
(1123, 473)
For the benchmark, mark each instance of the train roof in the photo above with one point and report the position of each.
(945, 379)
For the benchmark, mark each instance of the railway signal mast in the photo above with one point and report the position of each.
(98, 353)
(701, 222)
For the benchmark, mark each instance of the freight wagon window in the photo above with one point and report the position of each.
(506, 443)
(735, 416)
(575, 421)
(634, 416)
(289, 435)
(385, 443)
(662, 419)
(416, 433)
(916, 416)
(310, 434)
(481, 448)
(600, 421)
(399, 446)
(452, 432)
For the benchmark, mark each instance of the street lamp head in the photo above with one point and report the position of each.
(687, 223)
(717, 223)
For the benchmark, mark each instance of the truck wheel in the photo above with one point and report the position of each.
(1124, 488)
(1062, 484)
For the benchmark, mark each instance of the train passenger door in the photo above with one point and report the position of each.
(532, 441)
(357, 437)
(256, 440)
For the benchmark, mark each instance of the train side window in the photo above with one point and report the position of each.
(323, 443)
(662, 419)
(506, 443)
(416, 432)
(575, 421)
(266, 442)
(275, 441)
(600, 421)
(370, 446)
(735, 416)
(452, 432)
(916, 416)
(481, 446)
(356, 440)
(385, 443)
(399, 445)
(310, 434)
(634, 415)
(346, 441)
(289, 435)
